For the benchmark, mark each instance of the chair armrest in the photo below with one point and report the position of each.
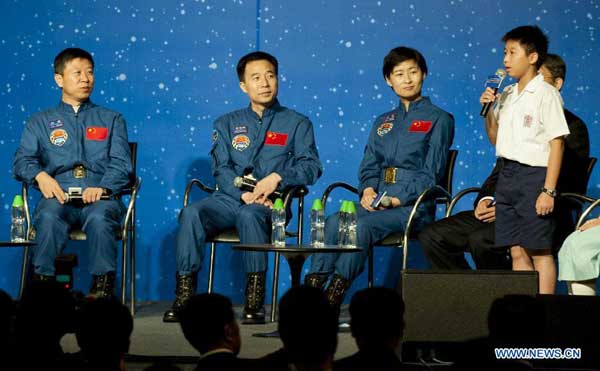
(587, 212)
(577, 196)
(458, 196)
(131, 205)
(25, 195)
(292, 192)
(432, 192)
(333, 186)
(199, 184)
(575, 202)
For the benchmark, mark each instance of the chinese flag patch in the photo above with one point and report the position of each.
(276, 139)
(96, 133)
(420, 127)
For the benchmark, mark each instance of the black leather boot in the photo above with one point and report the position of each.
(185, 288)
(254, 310)
(336, 291)
(316, 280)
(103, 286)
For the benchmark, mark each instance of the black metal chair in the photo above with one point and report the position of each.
(590, 167)
(231, 236)
(582, 200)
(126, 234)
(441, 194)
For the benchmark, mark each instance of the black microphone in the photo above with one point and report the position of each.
(248, 183)
(75, 194)
(494, 81)
(245, 182)
(386, 202)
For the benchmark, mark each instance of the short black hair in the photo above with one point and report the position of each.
(203, 320)
(67, 55)
(401, 54)
(255, 56)
(7, 312)
(556, 65)
(47, 309)
(307, 325)
(533, 40)
(376, 316)
(105, 327)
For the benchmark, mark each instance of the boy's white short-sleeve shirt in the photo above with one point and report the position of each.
(527, 122)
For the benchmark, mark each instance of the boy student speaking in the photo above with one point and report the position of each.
(528, 127)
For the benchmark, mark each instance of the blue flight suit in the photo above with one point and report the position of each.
(56, 141)
(416, 142)
(282, 141)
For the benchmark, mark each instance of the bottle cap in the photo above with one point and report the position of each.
(343, 206)
(278, 205)
(317, 205)
(351, 208)
(18, 201)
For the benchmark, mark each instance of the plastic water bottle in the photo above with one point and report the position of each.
(317, 224)
(350, 242)
(278, 224)
(342, 224)
(17, 225)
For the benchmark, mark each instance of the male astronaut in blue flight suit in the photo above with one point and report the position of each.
(405, 154)
(274, 144)
(81, 145)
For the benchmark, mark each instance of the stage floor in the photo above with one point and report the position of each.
(152, 337)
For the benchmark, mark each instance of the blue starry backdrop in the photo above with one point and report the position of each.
(169, 67)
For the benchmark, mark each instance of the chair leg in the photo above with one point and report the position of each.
(24, 268)
(300, 219)
(370, 268)
(275, 287)
(132, 270)
(124, 271)
(211, 267)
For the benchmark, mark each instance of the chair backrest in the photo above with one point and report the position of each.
(133, 176)
(446, 181)
(133, 149)
(590, 167)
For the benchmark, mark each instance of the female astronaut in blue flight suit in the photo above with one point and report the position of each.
(405, 154)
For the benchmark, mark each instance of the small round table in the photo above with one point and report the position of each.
(295, 255)
(26, 245)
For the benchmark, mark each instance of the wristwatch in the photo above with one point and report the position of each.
(550, 192)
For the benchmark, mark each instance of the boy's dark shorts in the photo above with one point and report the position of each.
(517, 222)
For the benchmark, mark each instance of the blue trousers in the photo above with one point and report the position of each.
(371, 228)
(100, 221)
(209, 216)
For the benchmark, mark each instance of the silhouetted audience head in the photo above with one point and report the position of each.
(208, 323)
(376, 318)
(105, 326)
(7, 312)
(308, 327)
(46, 312)
(516, 320)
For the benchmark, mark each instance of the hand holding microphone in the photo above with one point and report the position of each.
(492, 85)
(89, 195)
(246, 182)
(382, 200)
(249, 184)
